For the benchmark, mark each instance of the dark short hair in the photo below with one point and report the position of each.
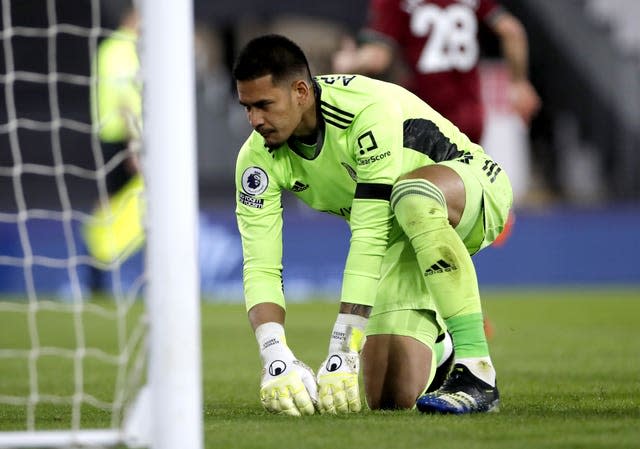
(273, 55)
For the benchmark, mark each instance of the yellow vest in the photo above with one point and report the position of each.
(116, 93)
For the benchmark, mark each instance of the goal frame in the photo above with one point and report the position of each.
(168, 413)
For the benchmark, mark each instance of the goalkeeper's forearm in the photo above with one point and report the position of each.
(266, 312)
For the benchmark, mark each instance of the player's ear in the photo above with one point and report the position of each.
(302, 91)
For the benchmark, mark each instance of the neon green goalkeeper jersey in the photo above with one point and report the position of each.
(370, 133)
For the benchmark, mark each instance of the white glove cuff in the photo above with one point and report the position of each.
(272, 342)
(348, 333)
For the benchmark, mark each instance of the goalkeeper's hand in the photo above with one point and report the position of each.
(338, 376)
(338, 383)
(288, 386)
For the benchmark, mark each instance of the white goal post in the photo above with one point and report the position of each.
(169, 129)
(168, 411)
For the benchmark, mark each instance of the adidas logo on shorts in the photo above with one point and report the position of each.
(440, 266)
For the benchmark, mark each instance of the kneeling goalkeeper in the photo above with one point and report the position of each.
(419, 197)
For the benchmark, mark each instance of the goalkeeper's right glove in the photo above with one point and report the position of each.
(288, 386)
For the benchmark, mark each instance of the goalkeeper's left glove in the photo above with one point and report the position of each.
(338, 388)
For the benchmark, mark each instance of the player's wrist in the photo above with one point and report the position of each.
(338, 387)
(348, 333)
(272, 342)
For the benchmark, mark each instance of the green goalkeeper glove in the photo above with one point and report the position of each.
(339, 391)
(288, 386)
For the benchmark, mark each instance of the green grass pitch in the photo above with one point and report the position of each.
(568, 370)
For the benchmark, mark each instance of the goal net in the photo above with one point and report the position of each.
(99, 300)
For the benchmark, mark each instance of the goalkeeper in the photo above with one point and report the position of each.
(419, 197)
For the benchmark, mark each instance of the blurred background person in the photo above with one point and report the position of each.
(116, 230)
(438, 43)
(117, 99)
(434, 48)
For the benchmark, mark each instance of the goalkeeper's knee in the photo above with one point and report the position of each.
(419, 206)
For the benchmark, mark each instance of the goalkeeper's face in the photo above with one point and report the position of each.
(273, 110)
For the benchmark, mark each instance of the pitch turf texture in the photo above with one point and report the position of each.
(568, 370)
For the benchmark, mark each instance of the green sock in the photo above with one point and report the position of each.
(449, 274)
(468, 332)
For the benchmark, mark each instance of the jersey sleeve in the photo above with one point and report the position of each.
(377, 143)
(259, 217)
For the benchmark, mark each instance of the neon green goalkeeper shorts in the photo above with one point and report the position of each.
(419, 324)
(402, 286)
(488, 200)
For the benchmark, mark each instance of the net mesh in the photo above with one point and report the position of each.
(72, 328)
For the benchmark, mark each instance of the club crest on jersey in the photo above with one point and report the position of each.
(254, 181)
